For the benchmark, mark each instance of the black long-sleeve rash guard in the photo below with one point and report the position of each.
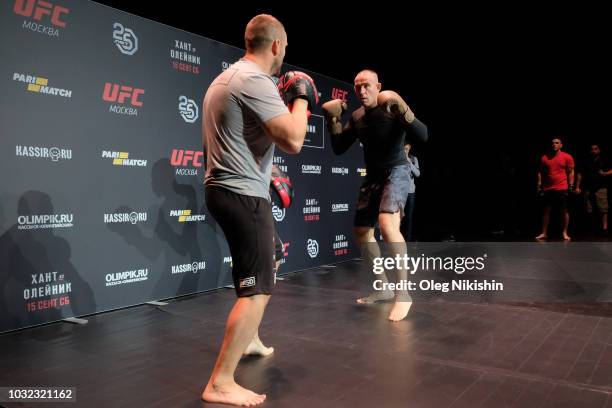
(383, 136)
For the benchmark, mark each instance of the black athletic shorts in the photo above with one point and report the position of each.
(556, 199)
(248, 226)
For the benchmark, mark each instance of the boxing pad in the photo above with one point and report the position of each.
(281, 187)
(296, 84)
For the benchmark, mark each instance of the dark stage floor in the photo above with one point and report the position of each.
(329, 352)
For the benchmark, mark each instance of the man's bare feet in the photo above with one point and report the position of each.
(232, 394)
(399, 311)
(377, 296)
(257, 348)
(566, 237)
(541, 237)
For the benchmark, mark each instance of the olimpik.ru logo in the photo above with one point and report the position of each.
(311, 169)
(125, 39)
(339, 207)
(45, 221)
(126, 277)
(188, 109)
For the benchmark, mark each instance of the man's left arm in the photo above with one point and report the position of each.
(570, 173)
(393, 103)
(414, 167)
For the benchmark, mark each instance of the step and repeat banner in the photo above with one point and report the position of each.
(102, 202)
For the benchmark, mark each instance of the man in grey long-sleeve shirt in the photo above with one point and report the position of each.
(407, 221)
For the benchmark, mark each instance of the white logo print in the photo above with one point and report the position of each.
(188, 109)
(134, 217)
(54, 152)
(126, 40)
(247, 282)
(193, 267)
(278, 213)
(312, 248)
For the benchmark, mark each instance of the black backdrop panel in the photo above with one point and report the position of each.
(102, 202)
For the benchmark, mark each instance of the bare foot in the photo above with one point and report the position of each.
(566, 237)
(377, 296)
(399, 311)
(257, 348)
(232, 394)
(541, 237)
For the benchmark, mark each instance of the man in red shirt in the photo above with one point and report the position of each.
(555, 181)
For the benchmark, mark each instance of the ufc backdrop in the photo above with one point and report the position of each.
(102, 202)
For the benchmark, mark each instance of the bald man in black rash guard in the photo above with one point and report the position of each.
(383, 124)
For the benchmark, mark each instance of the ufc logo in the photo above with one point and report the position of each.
(182, 158)
(39, 8)
(119, 93)
(339, 94)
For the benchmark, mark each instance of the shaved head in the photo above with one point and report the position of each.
(261, 31)
(368, 73)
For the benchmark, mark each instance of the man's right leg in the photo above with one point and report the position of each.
(562, 198)
(545, 221)
(390, 229)
(241, 327)
(565, 221)
(256, 346)
(248, 227)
